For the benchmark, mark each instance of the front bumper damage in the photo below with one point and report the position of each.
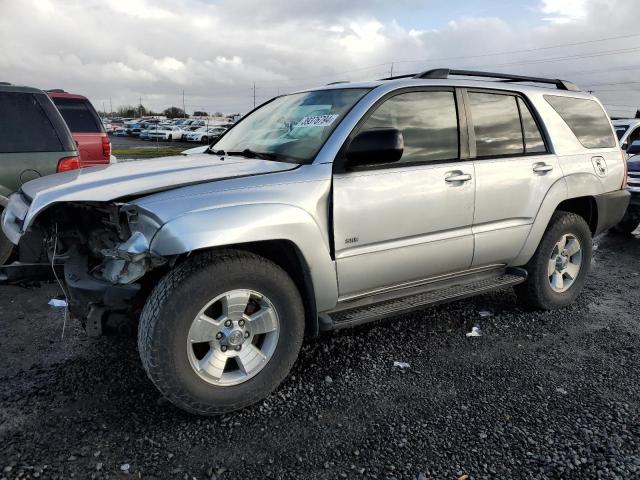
(103, 250)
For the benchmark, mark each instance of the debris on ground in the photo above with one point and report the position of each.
(58, 302)
(475, 331)
(485, 313)
(401, 365)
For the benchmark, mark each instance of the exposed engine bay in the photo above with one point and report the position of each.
(105, 251)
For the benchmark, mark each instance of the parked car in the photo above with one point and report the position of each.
(329, 208)
(167, 133)
(631, 218)
(205, 134)
(120, 132)
(85, 125)
(627, 130)
(34, 141)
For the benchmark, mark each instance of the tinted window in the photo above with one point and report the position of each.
(24, 126)
(496, 124)
(428, 123)
(533, 141)
(586, 119)
(79, 115)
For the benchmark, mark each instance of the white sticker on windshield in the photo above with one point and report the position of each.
(317, 121)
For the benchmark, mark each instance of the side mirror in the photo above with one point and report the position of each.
(634, 148)
(381, 145)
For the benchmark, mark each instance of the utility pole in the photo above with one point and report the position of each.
(391, 70)
(184, 111)
(140, 107)
(104, 112)
(110, 106)
(254, 95)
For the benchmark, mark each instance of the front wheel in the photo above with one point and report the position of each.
(559, 268)
(221, 331)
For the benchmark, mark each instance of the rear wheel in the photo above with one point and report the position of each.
(205, 139)
(558, 269)
(221, 331)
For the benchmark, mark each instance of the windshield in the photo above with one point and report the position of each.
(293, 127)
(620, 130)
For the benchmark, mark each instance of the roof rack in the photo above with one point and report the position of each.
(55, 90)
(444, 73)
(5, 83)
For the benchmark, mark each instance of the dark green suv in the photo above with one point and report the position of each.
(34, 141)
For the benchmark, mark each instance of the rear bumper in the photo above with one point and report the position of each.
(611, 208)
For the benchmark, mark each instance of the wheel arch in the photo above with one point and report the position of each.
(284, 234)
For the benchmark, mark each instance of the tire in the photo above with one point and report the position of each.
(169, 316)
(6, 247)
(628, 224)
(541, 289)
(205, 140)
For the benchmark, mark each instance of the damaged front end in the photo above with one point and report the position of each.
(105, 248)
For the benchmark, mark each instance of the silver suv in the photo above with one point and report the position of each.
(325, 209)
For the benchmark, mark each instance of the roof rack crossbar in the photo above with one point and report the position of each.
(443, 73)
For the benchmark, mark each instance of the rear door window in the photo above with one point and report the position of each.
(24, 125)
(533, 141)
(79, 115)
(586, 119)
(496, 124)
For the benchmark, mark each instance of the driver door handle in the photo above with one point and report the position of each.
(542, 168)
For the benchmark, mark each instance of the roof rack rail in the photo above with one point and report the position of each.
(338, 82)
(443, 73)
(55, 90)
(5, 83)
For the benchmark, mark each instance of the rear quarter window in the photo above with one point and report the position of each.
(25, 125)
(79, 115)
(586, 119)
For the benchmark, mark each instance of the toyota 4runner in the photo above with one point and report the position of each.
(325, 209)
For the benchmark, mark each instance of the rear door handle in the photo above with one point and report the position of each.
(542, 168)
(457, 177)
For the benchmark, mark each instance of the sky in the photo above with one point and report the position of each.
(118, 52)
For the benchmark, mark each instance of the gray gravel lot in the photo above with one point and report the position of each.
(539, 395)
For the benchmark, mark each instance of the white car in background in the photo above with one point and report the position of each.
(167, 133)
(205, 134)
(627, 130)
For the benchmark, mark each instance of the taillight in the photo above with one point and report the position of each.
(106, 147)
(626, 168)
(68, 163)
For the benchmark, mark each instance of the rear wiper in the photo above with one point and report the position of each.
(251, 154)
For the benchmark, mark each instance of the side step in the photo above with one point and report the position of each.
(362, 314)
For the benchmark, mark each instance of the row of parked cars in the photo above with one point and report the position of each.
(185, 130)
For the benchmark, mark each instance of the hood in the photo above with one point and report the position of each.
(140, 177)
(633, 164)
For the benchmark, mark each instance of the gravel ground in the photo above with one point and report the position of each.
(539, 395)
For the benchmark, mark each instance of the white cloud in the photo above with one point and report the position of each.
(215, 51)
(564, 11)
